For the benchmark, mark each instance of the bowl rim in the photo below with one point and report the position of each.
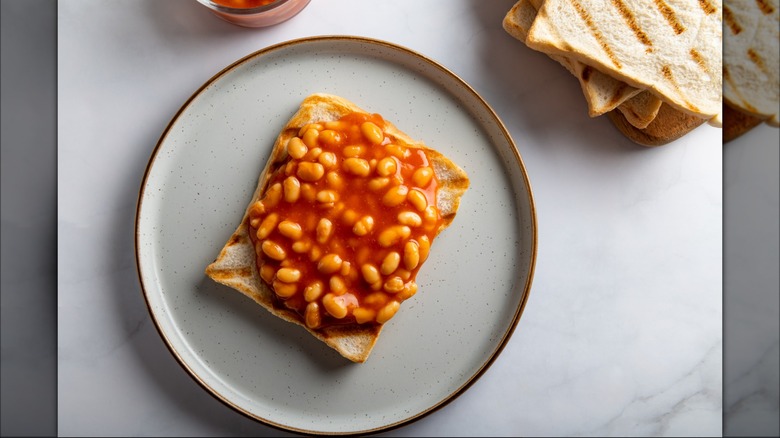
(243, 11)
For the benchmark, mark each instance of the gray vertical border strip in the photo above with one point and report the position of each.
(751, 284)
(28, 209)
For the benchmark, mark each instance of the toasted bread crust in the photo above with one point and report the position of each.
(641, 109)
(668, 125)
(736, 122)
(236, 264)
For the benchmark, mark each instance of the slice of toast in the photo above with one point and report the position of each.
(641, 109)
(238, 264)
(751, 58)
(602, 92)
(672, 48)
(667, 126)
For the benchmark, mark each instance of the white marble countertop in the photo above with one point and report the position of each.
(622, 334)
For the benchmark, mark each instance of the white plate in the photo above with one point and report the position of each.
(472, 288)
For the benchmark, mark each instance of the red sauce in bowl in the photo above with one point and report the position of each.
(243, 4)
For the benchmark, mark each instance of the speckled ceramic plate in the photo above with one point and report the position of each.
(472, 288)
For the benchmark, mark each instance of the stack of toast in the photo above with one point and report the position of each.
(654, 68)
(751, 81)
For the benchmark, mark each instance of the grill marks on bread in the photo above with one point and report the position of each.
(731, 22)
(651, 53)
(669, 47)
(602, 92)
(756, 59)
(701, 61)
(707, 7)
(630, 18)
(667, 73)
(765, 7)
(594, 30)
(628, 15)
(670, 16)
(698, 59)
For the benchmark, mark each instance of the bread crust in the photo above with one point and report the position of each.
(667, 126)
(236, 265)
(736, 122)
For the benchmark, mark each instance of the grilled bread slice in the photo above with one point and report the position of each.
(237, 263)
(751, 47)
(671, 48)
(667, 126)
(641, 109)
(631, 110)
(602, 92)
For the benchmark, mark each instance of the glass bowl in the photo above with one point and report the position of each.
(255, 13)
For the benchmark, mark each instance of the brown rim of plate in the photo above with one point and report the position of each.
(532, 210)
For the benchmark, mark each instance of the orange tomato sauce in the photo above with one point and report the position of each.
(342, 176)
